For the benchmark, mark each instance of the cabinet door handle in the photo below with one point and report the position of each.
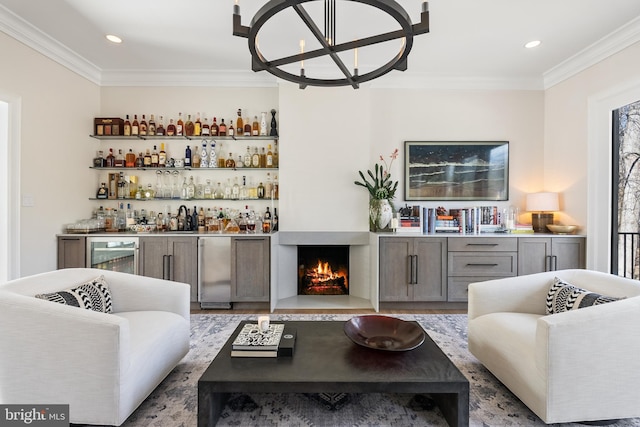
(410, 268)
(165, 267)
(170, 267)
(548, 266)
(554, 260)
(482, 244)
(481, 265)
(415, 269)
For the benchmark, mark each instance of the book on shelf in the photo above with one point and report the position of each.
(475, 220)
(251, 337)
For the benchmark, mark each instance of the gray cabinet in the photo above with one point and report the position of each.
(473, 259)
(413, 269)
(71, 251)
(250, 269)
(170, 258)
(550, 254)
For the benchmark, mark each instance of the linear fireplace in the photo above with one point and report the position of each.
(323, 270)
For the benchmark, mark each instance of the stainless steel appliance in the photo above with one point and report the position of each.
(214, 272)
(116, 253)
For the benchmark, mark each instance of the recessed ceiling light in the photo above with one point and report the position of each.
(113, 39)
(532, 44)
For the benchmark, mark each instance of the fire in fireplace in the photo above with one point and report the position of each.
(323, 270)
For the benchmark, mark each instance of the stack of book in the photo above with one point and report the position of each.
(252, 342)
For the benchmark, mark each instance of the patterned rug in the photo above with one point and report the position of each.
(175, 402)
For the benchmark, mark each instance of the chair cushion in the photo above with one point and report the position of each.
(563, 296)
(92, 295)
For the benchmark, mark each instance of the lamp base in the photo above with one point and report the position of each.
(540, 220)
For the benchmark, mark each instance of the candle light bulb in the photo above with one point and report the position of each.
(355, 58)
(302, 51)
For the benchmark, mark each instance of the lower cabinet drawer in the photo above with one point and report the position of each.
(501, 264)
(458, 287)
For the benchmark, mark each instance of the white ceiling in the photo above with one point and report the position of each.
(191, 41)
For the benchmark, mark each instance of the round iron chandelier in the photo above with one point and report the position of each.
(329, 47)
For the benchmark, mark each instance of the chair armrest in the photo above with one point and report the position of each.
(139, 293)
(593, 348)
(48, 348)
(521, 294)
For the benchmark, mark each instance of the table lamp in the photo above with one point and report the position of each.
(542, 205)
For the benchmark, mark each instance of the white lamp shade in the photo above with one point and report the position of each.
(542, 202)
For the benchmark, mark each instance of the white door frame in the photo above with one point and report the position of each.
(10, 163)
(600, 156)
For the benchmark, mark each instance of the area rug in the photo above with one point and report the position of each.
(174, 403)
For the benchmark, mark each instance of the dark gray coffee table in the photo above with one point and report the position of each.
(326, 361)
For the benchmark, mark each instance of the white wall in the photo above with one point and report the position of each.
(578, 145)
(58, 108)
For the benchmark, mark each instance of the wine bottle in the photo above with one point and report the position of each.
(239, 123)
(135, 126)
(127, 126)
(187, 157)
(179, 126)
(143, 126)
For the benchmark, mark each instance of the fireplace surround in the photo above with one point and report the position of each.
(362, 291)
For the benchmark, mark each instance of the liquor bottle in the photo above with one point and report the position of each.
(230, 163)
(244, 191)
(214, 128)
(204, 156)
(227, 190)
(184, 195)
(127, 126)
(231, 130)
(247, 127)
(111, 160)
(247, 158)
(197, 126)
(171, 129)
(189, 127)
(239, 162)
(239, 123)
(268, 187)
(119, 160)
(263, 124)
(162, 157)
(255, 158)
(205, 127)
(269, 161)
(266, 222)
(260, 191)
(154, 157)
(276, 188)
(195, 158)
(263, 158)
(222, 129)
(187, 157)
(143, 126)
(213, 157)
(274, 221)
(135, 126)
(151, 128)
(208, 190)
(191, 188)
(147, 159)
(140, 161)
(253, 190)
(160, 130)
(221, 159)
(120, 192)
(276, 159)
(99, 161)
(179, 126)
(201, 217)
(218, 193)
(274, 124)
(255, 128)
(103, 192)
(235, 189)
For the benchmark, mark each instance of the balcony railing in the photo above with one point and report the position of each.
(629, 255)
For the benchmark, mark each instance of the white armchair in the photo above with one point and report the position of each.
(579, 365)
(102, 365)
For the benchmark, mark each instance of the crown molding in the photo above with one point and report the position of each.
(29, 35)
(607, 46)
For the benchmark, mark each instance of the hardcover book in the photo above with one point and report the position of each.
(252, 338)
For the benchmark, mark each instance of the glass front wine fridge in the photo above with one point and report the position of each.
(113, 253)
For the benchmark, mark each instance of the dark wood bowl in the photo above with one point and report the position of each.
(384, 333)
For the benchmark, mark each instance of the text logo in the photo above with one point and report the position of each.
(34, 415)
